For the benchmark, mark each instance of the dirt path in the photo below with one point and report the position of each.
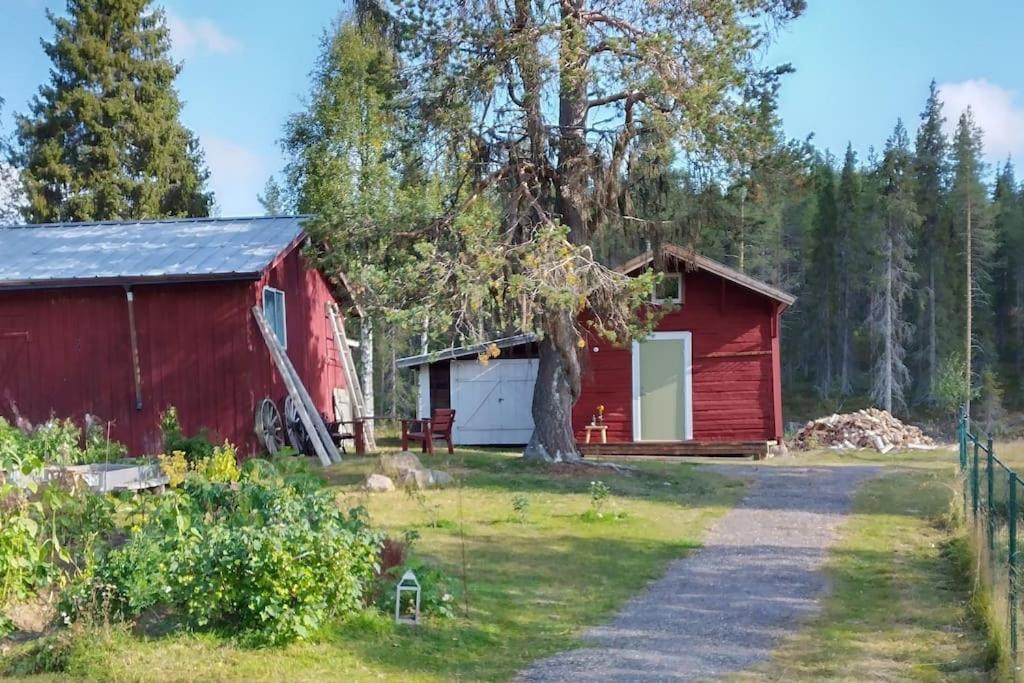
(725, 607)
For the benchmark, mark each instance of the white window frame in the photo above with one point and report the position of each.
(284, 314)
(678, 298)
(687, 339)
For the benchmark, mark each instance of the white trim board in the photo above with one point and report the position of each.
(687, 339)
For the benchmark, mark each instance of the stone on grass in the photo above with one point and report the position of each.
(441, 478)
(397, 464)
(417, 479)
(378, 483)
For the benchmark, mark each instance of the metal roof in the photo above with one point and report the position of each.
(462, 351)
(107, 252)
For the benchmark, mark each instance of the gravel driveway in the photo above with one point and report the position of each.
(724, 608)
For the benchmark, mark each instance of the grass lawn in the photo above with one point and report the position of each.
(533, 587)
(898, 609)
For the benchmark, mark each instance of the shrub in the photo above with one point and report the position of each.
(259, 560)
(521, 507)
(194, 447)
(599, 495)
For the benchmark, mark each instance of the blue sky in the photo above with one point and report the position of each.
(860, 64)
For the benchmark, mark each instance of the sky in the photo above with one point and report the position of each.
(859, 65)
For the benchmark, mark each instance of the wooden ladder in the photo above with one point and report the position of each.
(348, 366)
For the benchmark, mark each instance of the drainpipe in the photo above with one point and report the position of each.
(136, 371)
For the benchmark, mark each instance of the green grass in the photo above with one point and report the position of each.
(533, 587)
(899, 608)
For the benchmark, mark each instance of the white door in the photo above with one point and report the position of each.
(492, 401)
(663, 387)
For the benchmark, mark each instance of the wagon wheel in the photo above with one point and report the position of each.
(269, 426)
(297, 435)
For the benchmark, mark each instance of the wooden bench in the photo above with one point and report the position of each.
(439, 426)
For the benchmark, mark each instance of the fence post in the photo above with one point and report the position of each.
(990, 504)
(975, 483)
(1011, 521)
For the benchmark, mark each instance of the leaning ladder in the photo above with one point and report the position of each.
(348, 367)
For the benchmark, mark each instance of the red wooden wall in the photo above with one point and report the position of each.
(736, 379)
(66, 352)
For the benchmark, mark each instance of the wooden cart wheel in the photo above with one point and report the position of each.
(269, 426)
(297, 435)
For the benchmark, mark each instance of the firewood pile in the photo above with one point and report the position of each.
(869, 428)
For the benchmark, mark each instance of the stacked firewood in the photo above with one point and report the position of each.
(869, 428)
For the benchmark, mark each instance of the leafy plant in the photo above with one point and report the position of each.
(194, 447)
(521, 507)
(175, 467)
(599, 495)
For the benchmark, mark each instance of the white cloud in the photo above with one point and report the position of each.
(191, 37)
(998, 111)
(237, 175)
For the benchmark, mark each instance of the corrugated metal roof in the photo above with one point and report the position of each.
(463, 351)
(173, 249)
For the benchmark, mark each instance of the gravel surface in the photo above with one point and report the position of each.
(724, 608)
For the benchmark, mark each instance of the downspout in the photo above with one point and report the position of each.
(136, 370)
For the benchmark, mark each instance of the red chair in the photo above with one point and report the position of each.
(439, 426)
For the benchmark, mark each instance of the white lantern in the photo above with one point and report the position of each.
(408, 584)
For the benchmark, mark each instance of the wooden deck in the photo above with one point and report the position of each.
(694, 449)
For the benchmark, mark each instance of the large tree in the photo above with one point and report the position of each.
(532, 109)
(896, 216)
(102, 139)
(972, 231)
(849, 222)
(930, 180)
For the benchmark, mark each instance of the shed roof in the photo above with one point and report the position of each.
(463, 351)
(710, 265)
(111, 252)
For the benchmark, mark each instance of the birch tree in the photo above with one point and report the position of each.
(897, 218)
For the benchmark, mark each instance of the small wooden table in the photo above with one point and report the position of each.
(590, 429)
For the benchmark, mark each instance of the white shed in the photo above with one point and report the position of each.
(492, 400)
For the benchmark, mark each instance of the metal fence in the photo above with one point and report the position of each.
(992, 494)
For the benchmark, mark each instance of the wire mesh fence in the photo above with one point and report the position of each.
(993, 493)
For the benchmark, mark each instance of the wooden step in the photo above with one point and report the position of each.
(755, 449)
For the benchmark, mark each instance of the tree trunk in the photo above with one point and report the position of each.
(932, 328)
(366, 346)
(554, 394)
(970, 300)
(558, 374)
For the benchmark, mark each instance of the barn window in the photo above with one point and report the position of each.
(273, 309)
(670, 289)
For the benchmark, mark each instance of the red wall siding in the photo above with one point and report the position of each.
(66, 352)
(734, 396)
(311, 345)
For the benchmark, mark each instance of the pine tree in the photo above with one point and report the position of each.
(896, 216)
(103, 139)
(930, 181)
(819, 288)
(971, 227)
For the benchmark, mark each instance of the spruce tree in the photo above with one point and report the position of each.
(1008, 280)
(971, 227)
(892, 275)
(848, 223)
(102, 139)
(930, 182)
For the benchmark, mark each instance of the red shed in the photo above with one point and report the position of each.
(706, 381)
(74, 296)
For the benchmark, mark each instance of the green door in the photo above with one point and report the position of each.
(662, 389)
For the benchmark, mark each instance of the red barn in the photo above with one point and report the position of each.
(707, 380)
(123, 319)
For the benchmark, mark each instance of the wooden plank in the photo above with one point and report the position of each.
(756, 449)
(315, 428)
(348, 367)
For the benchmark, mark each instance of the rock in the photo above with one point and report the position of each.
(417, 479)
(378, 483)
(441, 479)
(397, 464)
